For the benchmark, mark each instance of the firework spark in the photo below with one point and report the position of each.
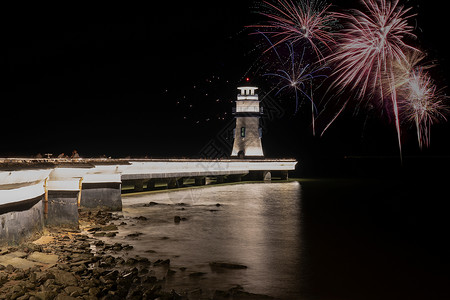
(370, 45)
(371, 59)
(421, 104)
(309, 21)
(298, 76)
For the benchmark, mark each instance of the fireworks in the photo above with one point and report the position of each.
(369, 46)
(307, 21)
(421, 103)
(298, 76)
(370, 56)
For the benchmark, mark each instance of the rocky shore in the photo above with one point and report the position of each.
(76, 264)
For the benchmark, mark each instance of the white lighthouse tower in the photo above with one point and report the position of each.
(247, 135)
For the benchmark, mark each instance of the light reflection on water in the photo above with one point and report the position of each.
(257, 225)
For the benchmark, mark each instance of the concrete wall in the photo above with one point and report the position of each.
(62, 209)
(96, 184)
(102, 195)
(20, 221)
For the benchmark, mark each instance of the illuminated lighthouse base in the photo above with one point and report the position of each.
(247, 141)
(247, 135)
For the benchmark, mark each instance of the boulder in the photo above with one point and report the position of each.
(64, 278)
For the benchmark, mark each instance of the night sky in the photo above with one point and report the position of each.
(159, 82)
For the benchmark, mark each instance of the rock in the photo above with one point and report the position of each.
(79, 269)
(136, 234)
(127, 247)
(84, 245)
(141, 218)
(99, 234)
(142, 260)
(99, 243)
(195, 293)
(131, 261)
(93, 229)
(151, 203)
(109, 277)
(161, 262)
(44, 240)
(75, 258)
(218, 205)
(18, 275)
(149, 279)
(64, 278)
(65, 297)
(43, 258)
(73, 291)
(17, 291)
(41, 277)
(64, 267)
(45, 295)
(197, 274)
(31, 247)
(225, 265)
(250, 296)
(9, 268)
(109, 227)
(94, 291)
(177, 219)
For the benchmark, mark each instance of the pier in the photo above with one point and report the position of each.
(49, 192)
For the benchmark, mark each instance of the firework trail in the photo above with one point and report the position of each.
(297, 75)
(420, 102)
(307, 21)
(371, 43)
(370, 57)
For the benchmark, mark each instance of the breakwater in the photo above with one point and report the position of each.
(49, 192)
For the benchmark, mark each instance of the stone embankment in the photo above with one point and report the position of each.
(67, 265)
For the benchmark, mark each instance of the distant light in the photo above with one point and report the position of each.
(247, 79)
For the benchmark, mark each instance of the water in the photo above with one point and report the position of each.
(256, 225)
(318, 239)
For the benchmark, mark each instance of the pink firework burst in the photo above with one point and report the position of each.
(421, 103)
(308, 20)
(371, 43)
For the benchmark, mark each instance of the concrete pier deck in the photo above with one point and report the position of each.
(45, 192)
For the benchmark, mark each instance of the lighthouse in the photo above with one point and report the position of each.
(247, 134)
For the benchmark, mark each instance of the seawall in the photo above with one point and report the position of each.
(49, 192)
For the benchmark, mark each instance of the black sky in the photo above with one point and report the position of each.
(158, 80)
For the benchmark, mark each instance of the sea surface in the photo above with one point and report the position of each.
(313, 239)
